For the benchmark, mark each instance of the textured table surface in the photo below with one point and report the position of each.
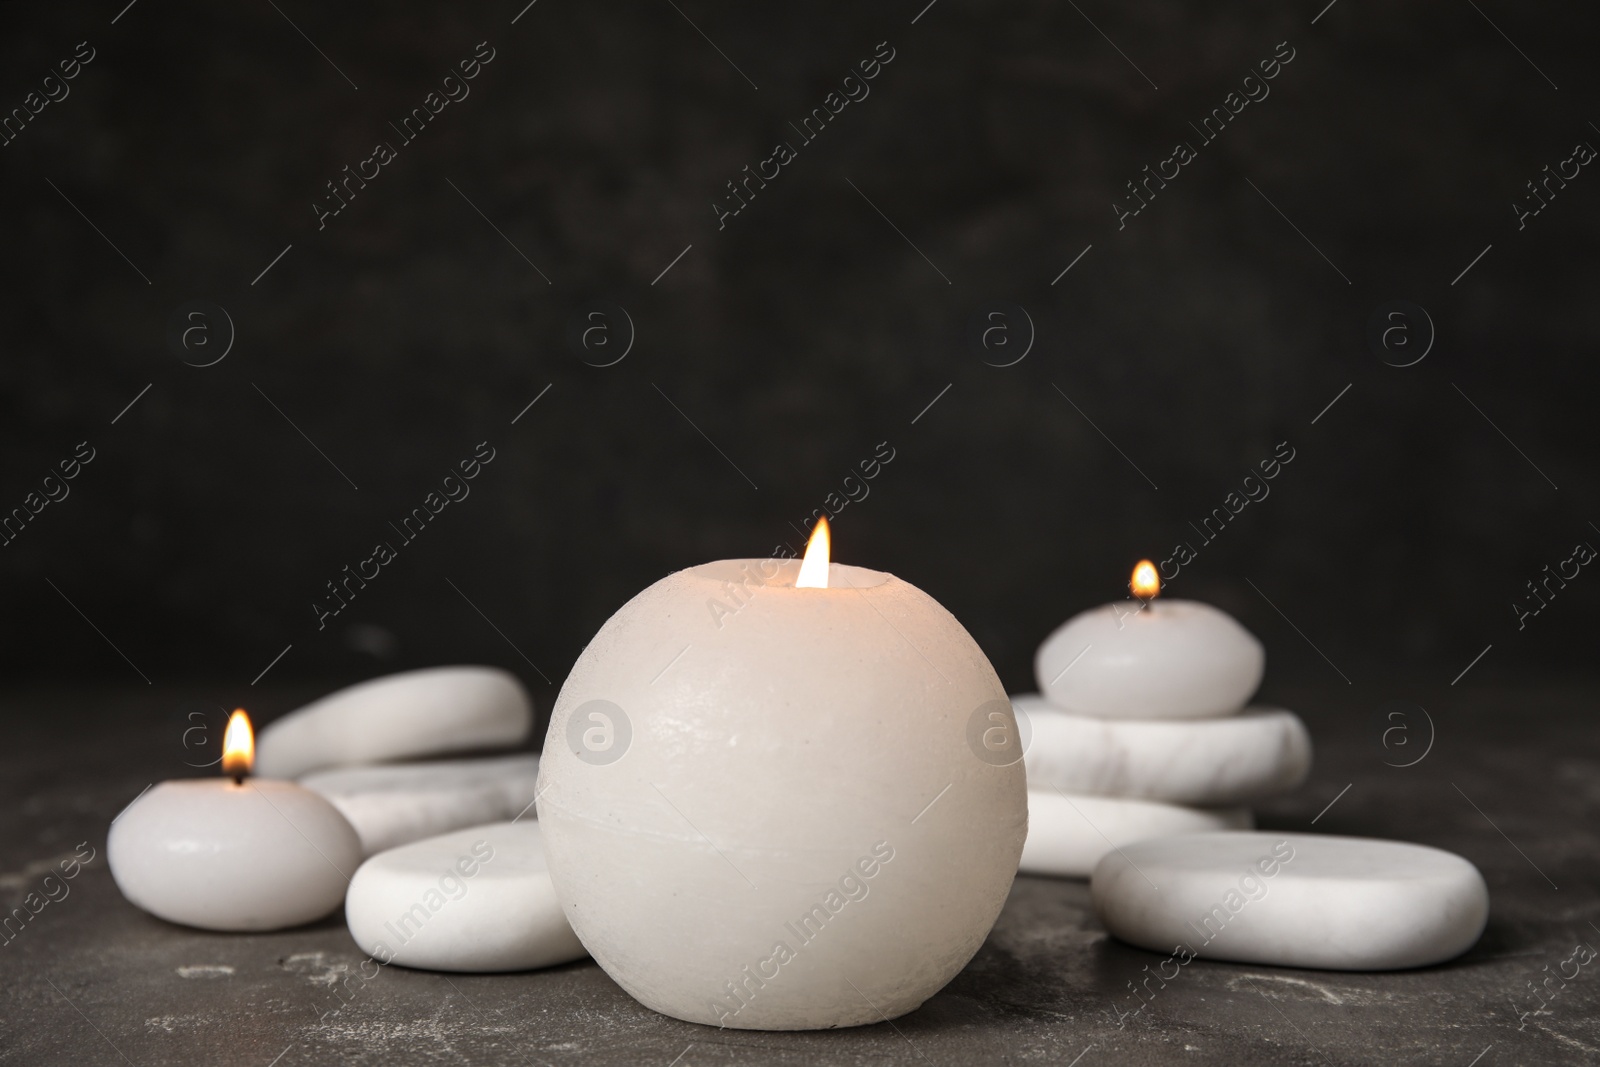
(1512, 782)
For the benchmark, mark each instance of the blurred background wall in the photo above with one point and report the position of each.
(584, 171)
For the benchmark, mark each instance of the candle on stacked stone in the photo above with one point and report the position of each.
(1143, 757)
(1142, 728)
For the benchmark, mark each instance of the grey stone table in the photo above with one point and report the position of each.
(1511, 781)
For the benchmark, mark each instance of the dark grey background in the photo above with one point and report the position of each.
(800, 336)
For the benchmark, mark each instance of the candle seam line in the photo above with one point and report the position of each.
(707, 840)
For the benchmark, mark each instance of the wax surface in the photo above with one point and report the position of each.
(801, 807)
(394, 804)
(1295, 900)
(259, 856)
(478, 899)
(402, 716)
(1175, 659)
(1233, 760)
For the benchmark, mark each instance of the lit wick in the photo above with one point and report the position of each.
(814, 568)
(238, 746)
(1146, 583)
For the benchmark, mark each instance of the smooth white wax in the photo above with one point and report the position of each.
(813, 820)
(262, 855)
(1174, 659)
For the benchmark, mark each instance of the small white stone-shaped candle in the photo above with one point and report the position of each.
(1171, 659)
(233, 853)
(401, 716)
(782, 797)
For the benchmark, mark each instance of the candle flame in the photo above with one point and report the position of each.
(1146, 584)
(238, 745)
(814, 569)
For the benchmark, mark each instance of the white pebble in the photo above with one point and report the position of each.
(401, 716)
(1067, 834)
(1293, 900)
(474, 900)
(394, 804)
(1205, 762)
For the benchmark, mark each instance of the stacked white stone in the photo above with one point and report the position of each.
(1119, 749)
(455, 878)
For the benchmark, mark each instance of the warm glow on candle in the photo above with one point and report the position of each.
(238, 745)
(814, 569)
(1146, 583)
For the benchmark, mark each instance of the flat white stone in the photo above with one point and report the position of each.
(402, 716)
(397, 803)
(1204, 762)
(1171, 659)
(1067, 834)
(474, 900)
(1294, 900)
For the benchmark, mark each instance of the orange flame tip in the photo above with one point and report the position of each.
(814, 569)
(1146, 584)
(238, 745)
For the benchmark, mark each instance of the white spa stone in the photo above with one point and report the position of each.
(1203, 762)
(401, 716)
(478, 899)
(1174, 659)
(735, 764)
(1293, 900)
(1068, 834)
(263, 855)
(396, 803)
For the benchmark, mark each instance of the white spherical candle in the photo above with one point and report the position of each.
(233, 853)
(778, 807)
(1153, 659)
